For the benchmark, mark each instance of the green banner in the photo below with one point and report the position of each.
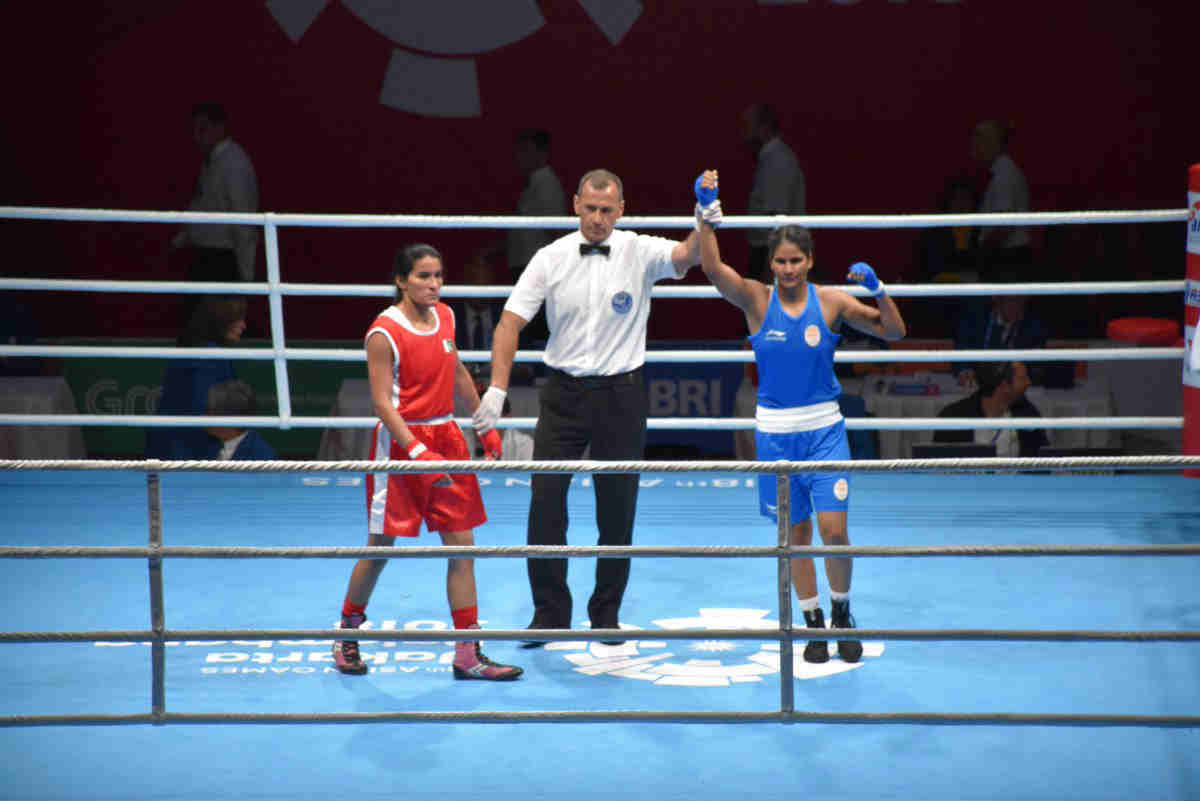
(112, 386)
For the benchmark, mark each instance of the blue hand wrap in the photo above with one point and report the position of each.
(867, 276)
(704, 194)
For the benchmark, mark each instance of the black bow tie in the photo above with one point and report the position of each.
(587, 247)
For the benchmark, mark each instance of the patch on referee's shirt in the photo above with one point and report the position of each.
(448, 345)
(622, 302)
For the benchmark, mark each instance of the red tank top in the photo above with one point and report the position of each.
(423, 363)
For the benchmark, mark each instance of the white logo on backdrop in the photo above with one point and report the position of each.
(445, 84)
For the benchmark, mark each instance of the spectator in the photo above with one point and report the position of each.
(1000, 394)
(997, 322)
(948, 254)
(235, 399)
(227, 183)
(542, 196)
(218, 321)
(779, 186)
(475, 318)
(1002, 248)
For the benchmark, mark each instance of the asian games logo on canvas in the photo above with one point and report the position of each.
(703, 663)
(662, 663)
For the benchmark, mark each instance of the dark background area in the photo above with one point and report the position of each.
(877, 99)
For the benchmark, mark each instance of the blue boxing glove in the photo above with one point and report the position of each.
(708, 208)
(704, 194)
(861, 273)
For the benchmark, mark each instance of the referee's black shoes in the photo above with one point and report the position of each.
(540, 623)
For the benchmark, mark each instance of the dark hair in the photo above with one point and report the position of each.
(798, 235)
(211, 319)
(765, 116)
(989, 375)
(234, 397)
(599, 179)
(538, 137)
(213, 112)
(406, 257)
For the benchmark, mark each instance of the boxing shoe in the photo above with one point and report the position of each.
(817, 651)
(848, 650)
(345, 652)
(470, 663)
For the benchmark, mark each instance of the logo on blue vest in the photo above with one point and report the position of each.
(622, 302)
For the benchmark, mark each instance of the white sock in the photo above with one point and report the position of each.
(839, 596)
(810, 604)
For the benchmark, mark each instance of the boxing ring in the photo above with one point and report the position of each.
(1030, 625)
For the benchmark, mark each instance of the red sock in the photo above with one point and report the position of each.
(349, 609)
(466, 617)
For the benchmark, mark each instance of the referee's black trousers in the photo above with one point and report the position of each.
(609, 413)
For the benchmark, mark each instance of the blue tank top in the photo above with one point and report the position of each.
(795, 356)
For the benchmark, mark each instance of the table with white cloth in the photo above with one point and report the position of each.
(354, 400)
(926, 394)
(39, 395)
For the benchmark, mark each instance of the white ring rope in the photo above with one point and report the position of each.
(652, 356)
(510, 222)
(654, 423)
(503, 291)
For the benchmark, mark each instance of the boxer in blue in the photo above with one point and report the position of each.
(794, 329)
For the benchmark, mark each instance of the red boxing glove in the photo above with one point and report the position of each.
(492, 448)
(418, 452)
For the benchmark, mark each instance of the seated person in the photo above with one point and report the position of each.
(1005, 322)
(216, 321)
(1000, 393)
(234, 399)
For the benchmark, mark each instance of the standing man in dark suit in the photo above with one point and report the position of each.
(595, 284)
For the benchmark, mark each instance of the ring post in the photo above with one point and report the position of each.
(1191, 316)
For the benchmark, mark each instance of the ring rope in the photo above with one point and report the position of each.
(654, 423)
(591, 466)
(616, 716)
(559, 551)
(654, 356)
(321, 636)
(501, 291)
(275, 219)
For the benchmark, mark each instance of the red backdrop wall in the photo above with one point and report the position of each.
(877, 99)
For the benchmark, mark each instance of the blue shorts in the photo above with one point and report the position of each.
(826, 492)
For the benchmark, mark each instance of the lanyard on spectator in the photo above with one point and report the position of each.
(1008, 335)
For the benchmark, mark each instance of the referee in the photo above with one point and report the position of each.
(595, 284)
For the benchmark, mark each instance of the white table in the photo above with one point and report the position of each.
(354, 400)
(1089, 397)
(39, 395)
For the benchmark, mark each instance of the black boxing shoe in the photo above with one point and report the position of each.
(817, 651)
(848, 650)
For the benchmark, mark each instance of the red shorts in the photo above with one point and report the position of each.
(397, 503)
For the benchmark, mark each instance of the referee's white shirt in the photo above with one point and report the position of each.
(596, 306)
